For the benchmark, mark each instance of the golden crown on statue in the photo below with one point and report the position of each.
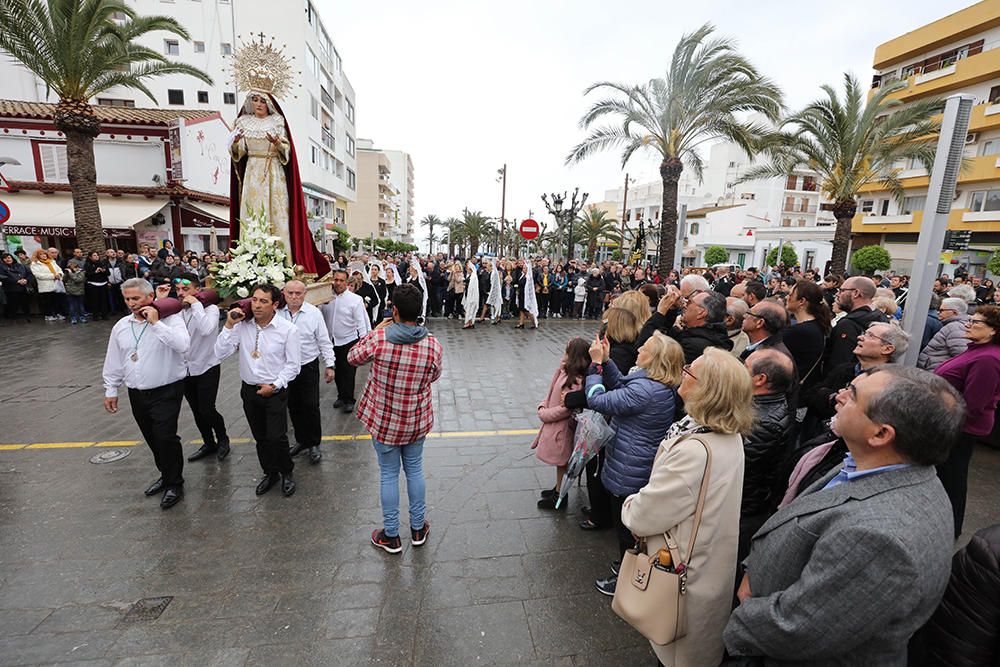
(259, 67)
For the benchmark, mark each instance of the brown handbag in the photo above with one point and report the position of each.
(649, 598)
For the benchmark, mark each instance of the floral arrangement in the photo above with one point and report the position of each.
(259, 257)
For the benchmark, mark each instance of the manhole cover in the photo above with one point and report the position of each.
(146, 609)
(110, 455)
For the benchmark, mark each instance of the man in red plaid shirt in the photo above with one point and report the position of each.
(396, 408)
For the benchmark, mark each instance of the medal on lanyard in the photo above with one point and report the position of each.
(256, 344)
(135, 350)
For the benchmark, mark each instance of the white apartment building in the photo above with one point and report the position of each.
(724, 212)
(321, 116)
(401, 179)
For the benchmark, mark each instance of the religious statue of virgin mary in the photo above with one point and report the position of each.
(265, 172)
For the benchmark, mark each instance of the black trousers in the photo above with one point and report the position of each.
(156, 411)
(268, 419)
(543, 304)
(600, 499)
(17, 305)
(116, 301)
(97, 300)
(954, 476)
(625, 539)
(344, 373)
(201, 392)
(303, 404)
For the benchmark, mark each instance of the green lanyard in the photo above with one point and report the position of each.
(135, 350)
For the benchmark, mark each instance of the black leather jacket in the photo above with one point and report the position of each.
(766, 450)
(965, 629)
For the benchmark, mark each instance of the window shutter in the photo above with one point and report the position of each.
(55, 167)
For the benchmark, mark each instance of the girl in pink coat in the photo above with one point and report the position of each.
(554, 442)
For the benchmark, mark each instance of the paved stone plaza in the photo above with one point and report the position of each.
(294, 581)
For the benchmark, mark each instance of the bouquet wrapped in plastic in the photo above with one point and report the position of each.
(592, 433)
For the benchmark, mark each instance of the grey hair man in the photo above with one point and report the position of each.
(736, 310)
(846, 572)
(147, 355)
(950, 340)
(692, 284)
(703, 316)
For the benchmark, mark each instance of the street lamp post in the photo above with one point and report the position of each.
(557, 211)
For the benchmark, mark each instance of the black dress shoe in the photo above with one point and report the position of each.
(588, 524)
(171, 497)
(348, 407)
(287, 484)
(223, 449)
(549, 493)
(266, 484)
(297, 449)
(315, 456)
(339, 403)
(202, 452)
(154, 488)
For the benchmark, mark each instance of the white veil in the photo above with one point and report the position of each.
(471, 300)
(530, 301)
(495, 298)
(423, 283)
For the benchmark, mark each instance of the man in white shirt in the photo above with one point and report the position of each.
(269, 361)
(303, 391)
(147, 355)
(201, 386)
(347, 321)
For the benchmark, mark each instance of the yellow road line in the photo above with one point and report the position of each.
(235, 441)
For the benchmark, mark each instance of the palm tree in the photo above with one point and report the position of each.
(454, 226)
(698, 100)
(430, 221)
(851, 144)
(475, 227)
(79, 51)
(595, 226)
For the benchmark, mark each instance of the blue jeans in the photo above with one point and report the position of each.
(412, 458)
(75, 306)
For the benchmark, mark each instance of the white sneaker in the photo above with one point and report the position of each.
(50, 318)
(60, 317)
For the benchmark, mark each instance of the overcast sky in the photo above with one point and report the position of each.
(465, 86)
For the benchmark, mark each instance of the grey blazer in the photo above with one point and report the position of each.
(844, 576)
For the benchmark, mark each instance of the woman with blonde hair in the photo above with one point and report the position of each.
(642, 406)
(636, 303)
(48, 277)
(718, 398)
(622, 331)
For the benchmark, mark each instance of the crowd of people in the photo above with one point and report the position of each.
(766, 412)
(835, 477)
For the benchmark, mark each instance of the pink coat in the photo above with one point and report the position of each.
(554, 441)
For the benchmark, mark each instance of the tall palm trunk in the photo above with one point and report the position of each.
(670, 172)
(592, 249)
(843, 211)
(430, 238)
(473, 246)
(77, 120)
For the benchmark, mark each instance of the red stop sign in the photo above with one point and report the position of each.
(529, 229)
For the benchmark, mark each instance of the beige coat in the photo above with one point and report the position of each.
(667, 502)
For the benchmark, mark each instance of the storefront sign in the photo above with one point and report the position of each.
(64, 232)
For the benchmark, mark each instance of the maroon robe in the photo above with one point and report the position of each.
(303, 250)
